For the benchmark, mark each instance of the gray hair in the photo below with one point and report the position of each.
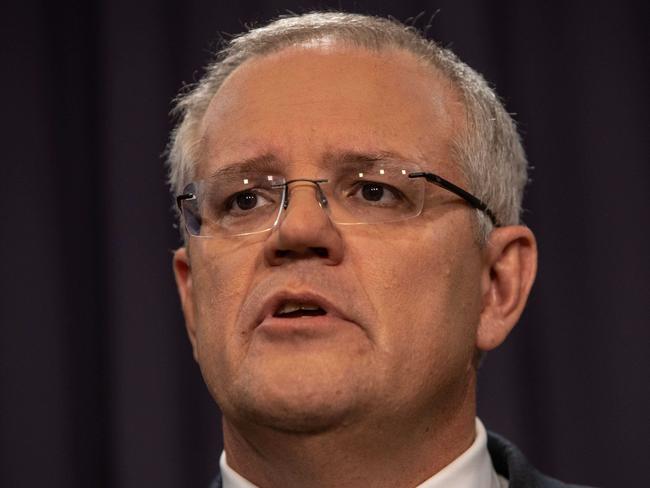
(488, 150)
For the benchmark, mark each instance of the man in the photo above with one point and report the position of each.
(350, 197)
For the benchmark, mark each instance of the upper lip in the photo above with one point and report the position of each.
(275, 300)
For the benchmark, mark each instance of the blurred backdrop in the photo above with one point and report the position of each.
(97, 383)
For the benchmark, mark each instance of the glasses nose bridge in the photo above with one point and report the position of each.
(298, 183)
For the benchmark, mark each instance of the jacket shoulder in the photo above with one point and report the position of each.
(510, 463)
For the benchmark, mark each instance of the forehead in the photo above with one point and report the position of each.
(307, 102)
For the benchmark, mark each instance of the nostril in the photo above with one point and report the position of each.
(320, 251)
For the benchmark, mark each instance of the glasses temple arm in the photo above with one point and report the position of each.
(184, 196)
(468, 197)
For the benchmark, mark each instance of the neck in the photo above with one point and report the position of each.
(393, 452)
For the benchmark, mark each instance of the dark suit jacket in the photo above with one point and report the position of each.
(509, 462)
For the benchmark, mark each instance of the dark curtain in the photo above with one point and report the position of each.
(98, 387)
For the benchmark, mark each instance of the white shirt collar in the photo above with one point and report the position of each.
(472, 468)
(231, 478)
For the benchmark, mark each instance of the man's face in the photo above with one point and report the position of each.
(402, 300)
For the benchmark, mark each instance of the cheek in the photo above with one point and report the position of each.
(424, 287)
(220, 284)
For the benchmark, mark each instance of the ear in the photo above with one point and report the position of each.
(510, 258)
(183, 275)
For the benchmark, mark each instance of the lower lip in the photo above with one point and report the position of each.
(306, 326)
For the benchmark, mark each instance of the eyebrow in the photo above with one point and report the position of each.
(264, 163)
(361, 158)
(271, 164)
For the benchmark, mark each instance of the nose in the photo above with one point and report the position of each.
(304, 230)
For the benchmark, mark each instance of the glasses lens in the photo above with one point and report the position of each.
(229, 206)
(377, 192)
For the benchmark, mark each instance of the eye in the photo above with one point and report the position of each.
(374, 192)
(245, 201)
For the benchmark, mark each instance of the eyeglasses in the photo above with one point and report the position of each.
(241, 203)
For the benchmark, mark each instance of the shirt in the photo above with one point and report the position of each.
(473, 468)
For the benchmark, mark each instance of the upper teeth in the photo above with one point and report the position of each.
(294, 307)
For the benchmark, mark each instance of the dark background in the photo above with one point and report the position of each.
(97, 384)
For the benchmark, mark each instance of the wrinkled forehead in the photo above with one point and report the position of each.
(312, 105)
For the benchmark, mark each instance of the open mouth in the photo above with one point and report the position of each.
(289, 310)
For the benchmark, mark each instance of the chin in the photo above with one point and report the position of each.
(294, 419)
(298, 401)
